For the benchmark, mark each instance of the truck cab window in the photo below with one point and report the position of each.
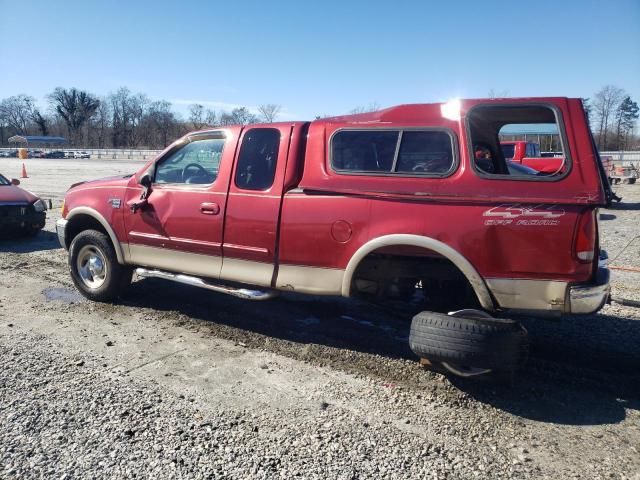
(257, 159)
(195, 163)
(393, 152)
(425, 152)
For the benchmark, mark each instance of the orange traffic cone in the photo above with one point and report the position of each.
(24, 172)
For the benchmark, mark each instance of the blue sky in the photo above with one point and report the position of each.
(317, 58)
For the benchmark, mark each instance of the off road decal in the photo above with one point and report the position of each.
(525, 215)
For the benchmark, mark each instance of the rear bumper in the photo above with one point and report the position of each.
(61, 227)
(591, 297)
(552, 297)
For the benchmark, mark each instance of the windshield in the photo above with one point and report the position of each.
(508, 150)
(4, 181)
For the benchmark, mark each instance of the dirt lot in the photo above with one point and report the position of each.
(175, 381)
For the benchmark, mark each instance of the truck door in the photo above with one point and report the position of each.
(253, 205)
(180, 227)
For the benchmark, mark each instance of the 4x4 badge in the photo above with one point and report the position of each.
(517, 210)
(524, 215)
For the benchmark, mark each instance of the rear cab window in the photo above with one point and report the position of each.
(494, 130)
(257, 159)
(394, 152)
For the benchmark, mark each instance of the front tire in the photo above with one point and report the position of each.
(94, 267)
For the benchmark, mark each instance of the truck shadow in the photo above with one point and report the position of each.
(582, 370)
(330, 321)
(561, 394)
(625, 206)
(580, 374)
(17, 243)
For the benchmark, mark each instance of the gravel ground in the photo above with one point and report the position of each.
(175, 382)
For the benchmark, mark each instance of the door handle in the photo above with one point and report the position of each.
(209, 208)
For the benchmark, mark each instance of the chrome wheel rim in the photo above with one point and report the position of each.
(465, 370)
(92, 266)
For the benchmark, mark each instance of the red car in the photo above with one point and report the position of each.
(528, 154)
(20, 210)
(390, 205)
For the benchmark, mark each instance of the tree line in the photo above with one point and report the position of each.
(122, 119)
(613, 117)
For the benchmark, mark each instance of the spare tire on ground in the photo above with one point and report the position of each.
(469, 340)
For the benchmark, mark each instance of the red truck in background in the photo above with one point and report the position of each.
(389, 205)
(528, 154)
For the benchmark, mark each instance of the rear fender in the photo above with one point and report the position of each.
(398, 240)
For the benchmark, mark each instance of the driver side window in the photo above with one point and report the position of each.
(195, 163)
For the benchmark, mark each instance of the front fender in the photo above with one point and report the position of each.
(75, 212)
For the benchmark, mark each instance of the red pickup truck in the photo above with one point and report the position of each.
(389, 205)
(528, 154)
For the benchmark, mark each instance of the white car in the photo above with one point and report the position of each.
(81, 155)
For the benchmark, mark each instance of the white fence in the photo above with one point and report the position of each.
(624, 157)
(104, 153)
(120, 153)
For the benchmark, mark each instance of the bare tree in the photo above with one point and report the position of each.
(212, 118)
(3, 130)
(128, 112)
(269, 112)
(372, 107)
(226, 119)
(41, 122)
(138, 105)
(163, 119)
(75, 107)
(17, 112)
(197, 116)
(238, 116)
(605, 104)
(120, 120)
(100, 122)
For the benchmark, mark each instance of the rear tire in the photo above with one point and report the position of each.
(94, 267)
(472, 343)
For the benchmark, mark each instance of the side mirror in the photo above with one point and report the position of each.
(145, 180)
(15, 181)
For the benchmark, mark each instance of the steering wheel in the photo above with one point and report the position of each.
(200, 168)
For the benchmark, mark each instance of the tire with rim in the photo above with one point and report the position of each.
(94, 267)
(469, 340)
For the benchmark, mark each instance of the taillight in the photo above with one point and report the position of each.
(585, 246)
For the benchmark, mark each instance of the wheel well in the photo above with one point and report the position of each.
(400, 272)
(79, 223)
